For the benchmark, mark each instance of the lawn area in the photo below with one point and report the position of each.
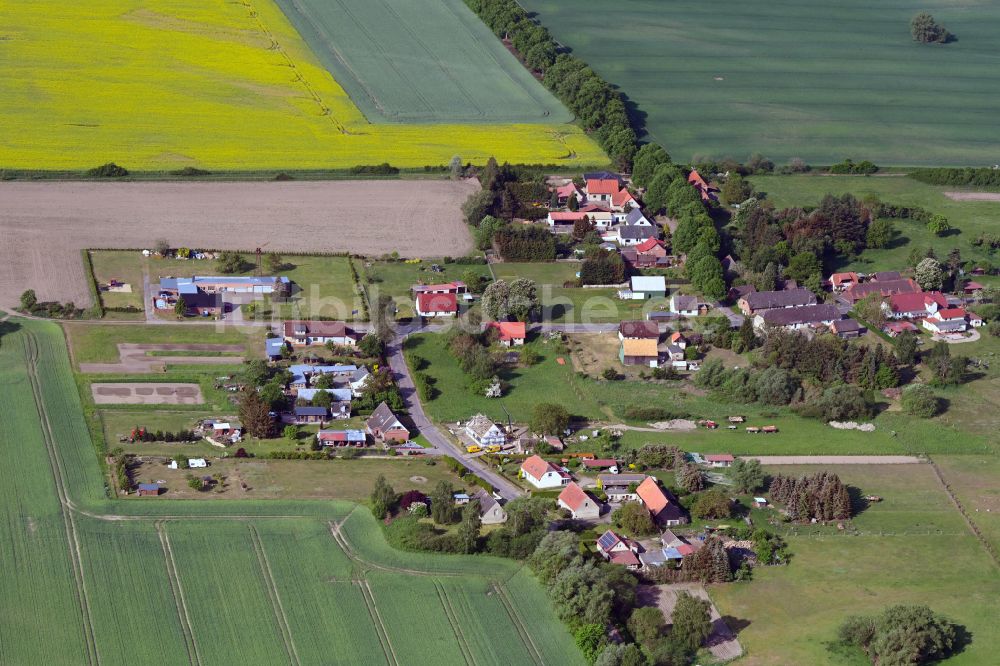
(791, 613)
(125, 266)
(98, 343)
(225, 86)
(396, 278)
(973, 479)
(791, 79)
(968, 218)
(350, 480)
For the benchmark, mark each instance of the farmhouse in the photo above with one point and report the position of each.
(948, 320)
(754, 302)
(639, 352)
(620, 487)
(565, 192)
(635, 218)
(706, 191)
(797, 318)
(847, 329)
(303, 374)
(304, 415)
(274, 348)
(913, 305)
(622, 200)
(885, 288)
(618, 550)
(384, 426)
(686, 306)
(638, 330)
(842, 281)
(184, 286)
(340, 400)
(490, 511)
(223, 431)
(319, 333)
(483, 431)
(431, 304)
(602, 189)
(542, 474)
(339, 438)
(632, 235)
(656, 500)
(579, 503)
(512, 333)
(677, 338)
(896, 328)
(648, 286)
(609, 464)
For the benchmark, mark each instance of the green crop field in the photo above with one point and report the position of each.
(795, 79)
(913, 547)
(165, 84)
(404, 61)
(89, 579)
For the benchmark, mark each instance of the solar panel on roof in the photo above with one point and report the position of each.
(607, 540)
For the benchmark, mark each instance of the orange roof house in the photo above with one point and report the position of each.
(578, 502)
(511, 332)
(603, 187)
(652, 496)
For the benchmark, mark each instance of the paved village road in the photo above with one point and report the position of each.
(401, 373)
(836, 460)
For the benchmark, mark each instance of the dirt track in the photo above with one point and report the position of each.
(134, 358)
(125, 393)
(43, 226)
(973, 196)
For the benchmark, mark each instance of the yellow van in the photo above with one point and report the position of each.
(473, 448)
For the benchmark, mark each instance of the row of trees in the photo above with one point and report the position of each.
(525, 243)
(821, 496)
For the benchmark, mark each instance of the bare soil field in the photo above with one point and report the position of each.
(44, 226)
(141, 393)
(973, 196)
(135, 360)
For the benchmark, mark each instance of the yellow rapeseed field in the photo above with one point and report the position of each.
(218, 84)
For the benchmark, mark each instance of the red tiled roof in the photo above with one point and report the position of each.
(599, 462)
(695, 179)
(917, 301)
(652, 495)
(685, 549)
(509, 330)
(566, 190)
(573, 496)
(593, 208)
(951, 313)
(972, 286)
(625, 558)
(602, 187)
(567, 216)
(437, 302)
(649, 244)
(899, 326)
(621, 197)
(536, 467)
(837, 278)
(456, 287)
(720, 457)
(676, 335)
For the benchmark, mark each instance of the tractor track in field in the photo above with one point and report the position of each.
(177, 592)
(515, 618)
(73, 541)
(454, 621)
(353, 555)
(272, 592)
(380, 630)
(973, 527)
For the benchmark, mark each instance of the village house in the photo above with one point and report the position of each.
(720, 459)
(225, 432)
(635, 218)
(303, 374)
(620, 487)
(914, 305)
(484, 432)
(896, 328)
(319, 333)
(885, 288)
(455, 287)
(847, 329)
(650, 253)
(842, 281)
(512, 333)
(797, 318)
(341, 438)
(623, 201)
(885, 276)
(757, 301)
(358, 380)
(684, 305)
(304, 415)
(638, 330)
(639, 352)
(554, 443)
(579, 503)
(384, 426)
(565, 192)
(602, 187)
(609, 464)
(432, 304)
(340, 400)
(202, 294)
(736, 292)
(677, 338)
(706, 191)
(645, 287)
(675, 353)
(970, 288)
(490, 510)
(618, 550)
(658, 503)
(148, 489)
(275, 348)
(631, 235)
(543, 474)
(947, 320)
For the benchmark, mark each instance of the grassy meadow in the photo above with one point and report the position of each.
(166, 84)
(790, 79)
(913, 547)
(268, 583)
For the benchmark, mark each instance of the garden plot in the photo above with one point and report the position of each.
(141, 393)
(135, 358)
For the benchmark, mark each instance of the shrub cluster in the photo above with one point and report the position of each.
(525, 244)
(970, 176)
(864, 168)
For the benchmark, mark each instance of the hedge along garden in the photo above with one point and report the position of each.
(159, 579)
(167, 84)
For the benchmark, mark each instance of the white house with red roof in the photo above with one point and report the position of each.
(542, 474)
(720, 459)
(842, 281)
(915, 305)
(580, 504)
(436, 305)
(565, 192)
(602, 189)
(947, 320)
(512, 333)
(623, 201)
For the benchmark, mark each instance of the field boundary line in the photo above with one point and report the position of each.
(380, 630)
(272, 592)
(456, 627)
(976, 532)
(55, 465)
(519, 626)
(352, 555)
(177, 592)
